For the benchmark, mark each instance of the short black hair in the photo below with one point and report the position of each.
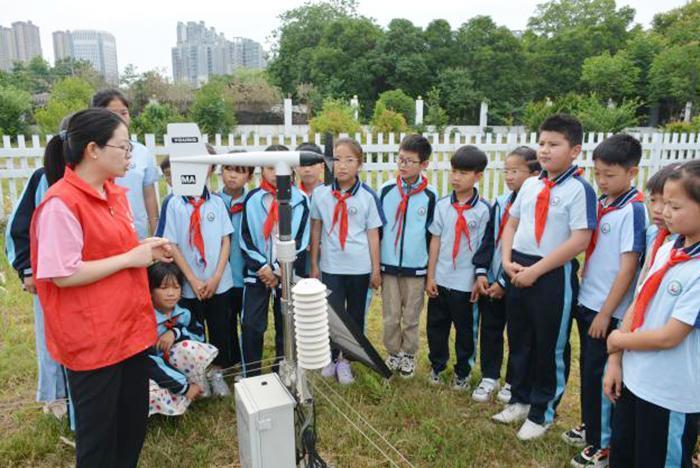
(248, 169)
(308, 146)
(655, 184)
(619, 150)
(469, 158)
(528, 155)
(103, 97)
(165, 163)
(689, 176)
(417, 144)
(276, 148)
(567, 125)
(159, 271)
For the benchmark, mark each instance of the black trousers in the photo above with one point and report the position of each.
(215, 313)
(256, 305)
(452, 307)
(492, 314)
(236, 318)
(596, 409)
(348, 295)
(648, 436)
(111, 411)
(539, 324)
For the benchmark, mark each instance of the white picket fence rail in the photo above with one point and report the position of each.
(19, 158)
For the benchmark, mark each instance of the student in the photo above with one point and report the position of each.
(457, 230)
(91, 280)
(167, 174)
(655, 380)
(520, 164)
(259, 228)
(179, 360)
(310, 176)
(200, 230)
(142, 175)
(551, 222)
(346, 217)
(235, 179)
(607, 286)
(410, 202)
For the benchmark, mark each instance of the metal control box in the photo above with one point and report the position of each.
(265, 415)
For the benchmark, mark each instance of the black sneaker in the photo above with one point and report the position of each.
(590, 457)
(576, 436)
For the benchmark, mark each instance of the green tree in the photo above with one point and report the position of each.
(611, 76)
(147, 87)
(15, 107)
(67, 96)
(387, 121)
(674, 76)
(213, 108)
(398, 101)
(458, 95)
(680, 25)
(436, 115)
(155, 118)
(335, 117)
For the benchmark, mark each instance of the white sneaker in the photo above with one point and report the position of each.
(514, 412)
(344, 372)
(407, 369)
(504, 394)
(218, 384)
(206, 388)
(393, 362)
(483, 392)
(58, 408)
(461, 385)
(434, 378)
(531, 430)
(329, 370)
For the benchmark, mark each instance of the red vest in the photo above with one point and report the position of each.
(103, 323)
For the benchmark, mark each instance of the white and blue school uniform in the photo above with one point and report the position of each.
(346, 271)
(662, 387)
(142, 172)
(258, 252)
(455, 279)
(618, 232)
(215, 225)
(236, 256)
(492, 312)
(51, 384)
(407, 256)
(539, 317)
(185, 327)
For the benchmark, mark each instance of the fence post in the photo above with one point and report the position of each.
(419, 110)
(483, 115)
(355, 104)
(288, 116)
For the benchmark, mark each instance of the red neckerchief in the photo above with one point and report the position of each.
(505, 216)
(651, 285)
(273, 212)
(340, 213)
(196, 238)
(403, 205)
(661, 236)
(542, 204)
(236, 208)
(602, 211)
(461, 226)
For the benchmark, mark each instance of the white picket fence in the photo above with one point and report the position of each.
(19, 158)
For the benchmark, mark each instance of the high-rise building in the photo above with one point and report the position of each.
(201, 52)
(97, 47)
(20, 43)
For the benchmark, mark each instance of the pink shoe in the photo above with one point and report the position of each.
(329, 370)
(344, 372)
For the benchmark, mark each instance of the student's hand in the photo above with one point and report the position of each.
(315, 272)
(193, 392)
(614, 342)
(599, 327)
(28, 284)
(375, 280)
(197, 287)
(267, 276)
(512, 269)
(526, 277)
(612, 381)
(210, 287)
(496, 291)
(431, 288)
(480, 288)
(165, 341)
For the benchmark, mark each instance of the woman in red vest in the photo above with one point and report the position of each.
(91, 279)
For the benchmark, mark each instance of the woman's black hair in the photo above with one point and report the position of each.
(159, 271)
(528, 155)
(689, 176)
(67, 148)
(104, 97)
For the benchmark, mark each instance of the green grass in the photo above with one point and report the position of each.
(431, 427)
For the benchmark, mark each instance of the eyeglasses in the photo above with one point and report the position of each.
(344, 162)
(127, 151)
(407, 162)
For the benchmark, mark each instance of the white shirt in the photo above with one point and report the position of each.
(142, 172)
(670, 378)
